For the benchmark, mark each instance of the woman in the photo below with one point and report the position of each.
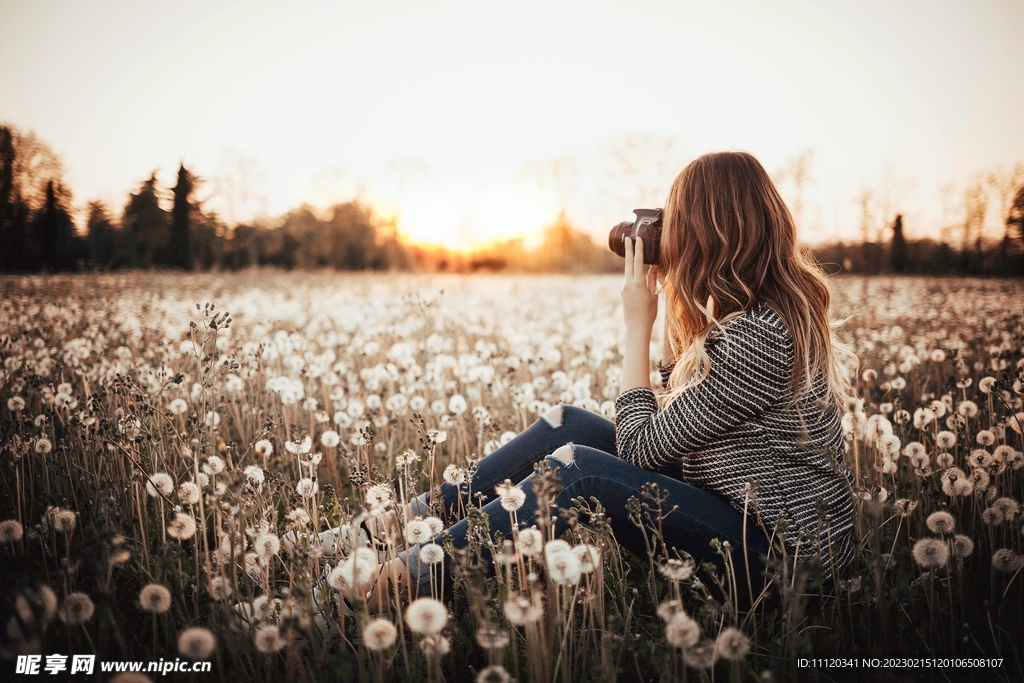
(751, 419)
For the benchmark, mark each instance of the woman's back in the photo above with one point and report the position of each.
(740, 427)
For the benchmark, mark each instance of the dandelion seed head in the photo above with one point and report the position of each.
(196, 642)
(1006, 561)
(493, 674)
(963, 546)
(968, 409)
(267, 639)
(11, 531)
(682, 631)
(492, 639)
(76, 609)
(264, 448)
(154, 598)
(564, 567)
(416, 532)
(64, 521)
(521, 609)
(267, 545)
(183, 527)
(306, 487)
(379, 634)
(189, 492)
(732, 644)
(219, 588)
(160, 484)
(434, 524)
(930, 552)
(701, 656)
(940, 522)
(426, 616)
(531, 542)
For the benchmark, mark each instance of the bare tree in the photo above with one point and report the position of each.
(975, 206)
(798, 172)
(1005, 184)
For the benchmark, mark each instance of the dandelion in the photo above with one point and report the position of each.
(196, 642)
(426, 616)
(188, 493)
(563, 567)
(16, 404)
(159, 485)
(732, 644)
(431, 553)
(963, 546)
(330, 438)
(11, 531)
(589, 557)
(416, 532)
(299, 517)
(512, 497)
(682, 631)
(214, 465)
(264, 448)
(457, 404)
(456, 476)
(940, 522)
(1007, 506)
(306, 487)
(268, 639)
(267, 545)
(492, 639)
(889, 445)
(944, 460)
(219, 588)
(677, 570)
(1006, 561)
(255, 475)
(435, 645)
(493, 674)
(64, 521)
(521, 610)
(702, 656)
(1015, 460)
(937, 355)
(183, 527)
(949, 479)
(968, 409)
(378, 498)
(898, 383)
(76, 609)
(915, 449)
(923, 417)
(299, 447)
(379, 634)
(178, 406)
(986, 437)
(985, 384)
(904, 506)
(667, 610)
(930, 552)
(531, 542)
(355, 571)
(434, 524)
(154, 598)
(992, 516)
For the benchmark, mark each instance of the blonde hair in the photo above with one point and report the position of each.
(729, 243)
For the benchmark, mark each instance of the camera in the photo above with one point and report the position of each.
(647, 226)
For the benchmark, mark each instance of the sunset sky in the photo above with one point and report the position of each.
(476, 120)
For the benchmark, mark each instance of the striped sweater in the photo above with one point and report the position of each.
(740, 425)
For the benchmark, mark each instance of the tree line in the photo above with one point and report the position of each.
(38, 234)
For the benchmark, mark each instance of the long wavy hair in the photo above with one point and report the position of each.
(728, 242)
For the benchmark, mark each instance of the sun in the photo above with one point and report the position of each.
(467, 222)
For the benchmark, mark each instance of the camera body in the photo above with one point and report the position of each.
(646, 226)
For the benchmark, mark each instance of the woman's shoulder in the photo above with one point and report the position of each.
(760, 322)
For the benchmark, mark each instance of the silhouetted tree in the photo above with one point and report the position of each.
(13, 212)
(101, 236)
(179, 252)
(55, 230)
(1015, 218)
(146, 224)
(899, 246)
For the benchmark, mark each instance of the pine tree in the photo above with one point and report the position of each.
(179, 248)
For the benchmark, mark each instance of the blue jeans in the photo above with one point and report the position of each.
(596, 471)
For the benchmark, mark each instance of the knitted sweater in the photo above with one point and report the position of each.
(740, 425)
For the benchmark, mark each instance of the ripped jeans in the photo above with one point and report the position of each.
(589, 467)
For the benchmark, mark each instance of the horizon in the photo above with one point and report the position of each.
(482, 121)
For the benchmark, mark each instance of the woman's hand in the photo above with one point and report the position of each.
(639, 292)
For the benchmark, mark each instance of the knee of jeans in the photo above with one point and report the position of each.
(554, 416)
(565, 454)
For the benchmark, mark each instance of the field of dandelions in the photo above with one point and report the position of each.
(173, 448)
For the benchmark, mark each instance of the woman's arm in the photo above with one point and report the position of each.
(639, 309)
(749, 372)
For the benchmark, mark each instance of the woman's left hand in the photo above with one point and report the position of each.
(639, 291)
